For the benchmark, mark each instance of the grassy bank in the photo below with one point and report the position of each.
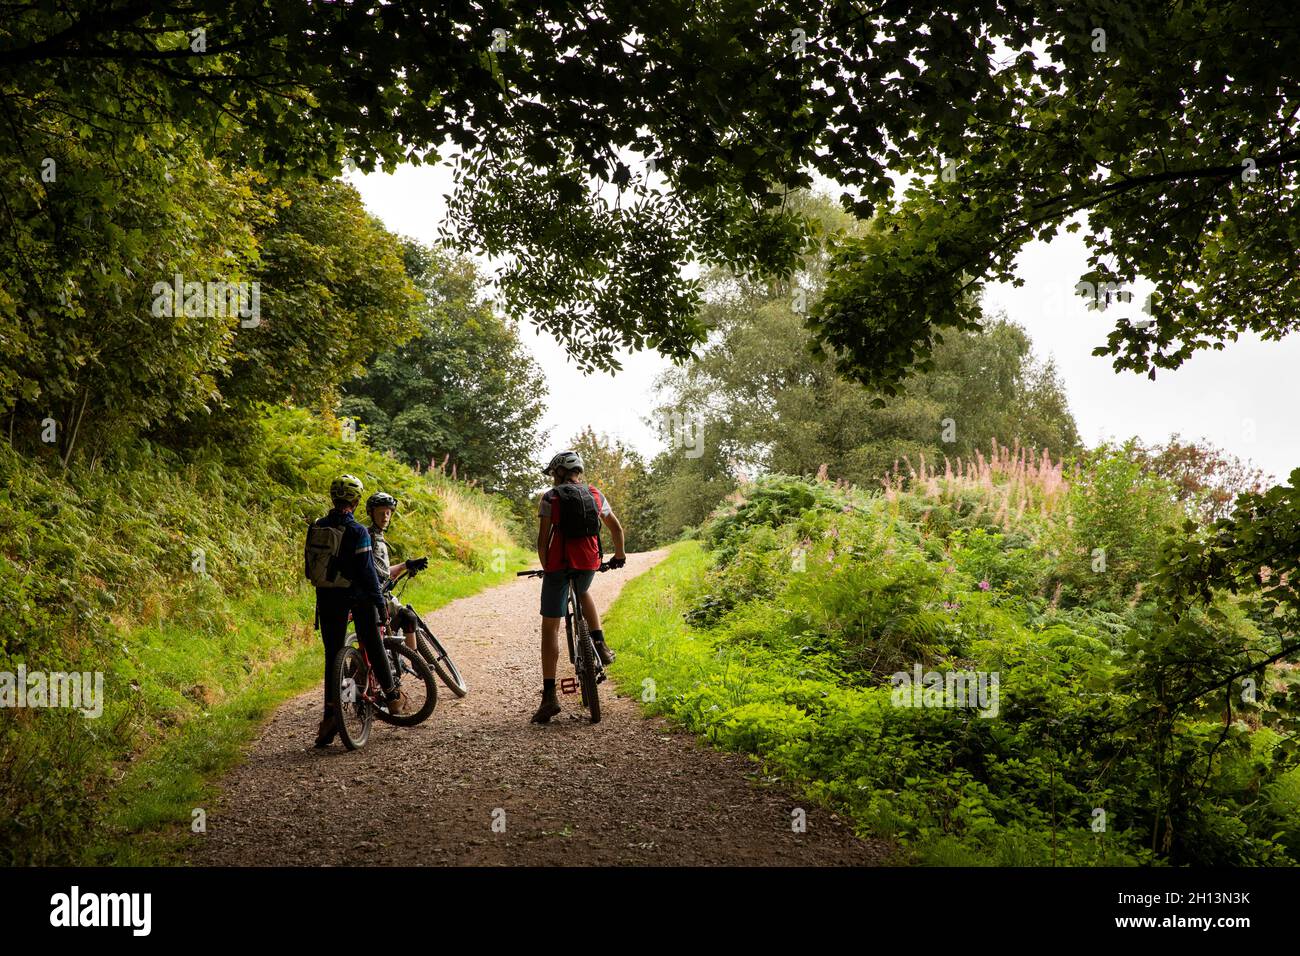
(779, 634)
(178, 577)
(713, 690)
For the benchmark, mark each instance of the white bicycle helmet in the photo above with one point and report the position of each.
(568, 460)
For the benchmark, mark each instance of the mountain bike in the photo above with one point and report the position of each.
(360, 697)
(582, 649)
(430, 648)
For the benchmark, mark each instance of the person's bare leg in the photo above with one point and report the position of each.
(589, 611)
(410, 641)
(550, 646)
(550, 705)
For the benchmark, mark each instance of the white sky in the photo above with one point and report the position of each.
(1237, 398)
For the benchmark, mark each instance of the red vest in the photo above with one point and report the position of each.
(583, 553)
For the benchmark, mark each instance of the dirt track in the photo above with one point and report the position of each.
(627, 791)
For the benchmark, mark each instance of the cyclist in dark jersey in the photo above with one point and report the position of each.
(381, 507)
(558, 554)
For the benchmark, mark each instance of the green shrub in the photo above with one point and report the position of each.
(804, 599)
(1118, 518)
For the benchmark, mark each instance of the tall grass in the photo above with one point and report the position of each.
(1010, 483)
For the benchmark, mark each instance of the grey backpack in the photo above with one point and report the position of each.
(320, 556)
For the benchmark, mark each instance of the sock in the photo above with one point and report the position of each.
(598, 637)
(548, 685)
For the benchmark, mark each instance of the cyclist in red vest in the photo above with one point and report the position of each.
(559, 553)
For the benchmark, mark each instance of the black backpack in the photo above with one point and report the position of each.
(579, 516)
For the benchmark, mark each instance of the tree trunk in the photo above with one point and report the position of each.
(72, 439)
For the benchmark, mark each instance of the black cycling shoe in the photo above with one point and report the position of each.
(327, 730)
(550, 707)
(605, 652)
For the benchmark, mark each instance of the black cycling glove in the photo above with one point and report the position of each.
(416, 564)
(617, 562)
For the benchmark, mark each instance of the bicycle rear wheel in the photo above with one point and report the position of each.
(586, 665)
(416, 681)
(435, 654)
(350, 676)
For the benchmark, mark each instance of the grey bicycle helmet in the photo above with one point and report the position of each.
(380, 499)
(568, 460)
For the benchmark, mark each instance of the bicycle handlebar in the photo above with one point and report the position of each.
(391, 582)
(388, 585)
(538, 572)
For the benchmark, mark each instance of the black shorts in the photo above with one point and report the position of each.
(555, 590)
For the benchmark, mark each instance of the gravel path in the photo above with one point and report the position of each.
(628, 791)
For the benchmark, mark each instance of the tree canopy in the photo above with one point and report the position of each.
(255, 293)
(1173, 129)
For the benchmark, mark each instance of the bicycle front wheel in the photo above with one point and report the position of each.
(436, 655)
(416, 682)
(350, 676)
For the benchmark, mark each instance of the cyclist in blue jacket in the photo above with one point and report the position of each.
(362, 598)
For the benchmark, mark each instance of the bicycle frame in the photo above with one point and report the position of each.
(373, 693)
(569, 685)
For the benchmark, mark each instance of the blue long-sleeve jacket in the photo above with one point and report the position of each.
(354, 563)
